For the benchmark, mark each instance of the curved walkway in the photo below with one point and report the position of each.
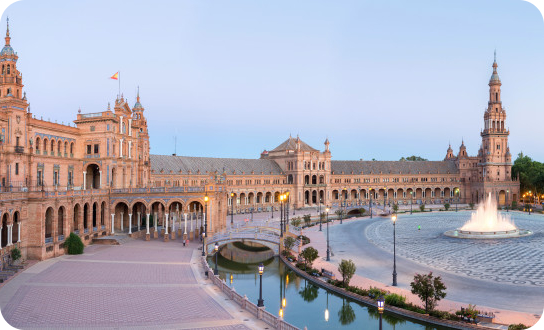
(151, 285)
(348, 241)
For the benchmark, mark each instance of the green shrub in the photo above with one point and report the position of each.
(394, 299)
(514, 205)
(15, 254)
(447, 206)
(73, 244)
(519, 326)
(422, 207)
(376, 292)
(471, 206)
(444, 315)
(289, 242)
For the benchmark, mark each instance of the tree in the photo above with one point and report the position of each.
(395, 208)
(323, 216)
(309, 293)
(471, 206)
(296, 222)
(73, 244)
(422, 207)
(307, 219)
(529, 172)
(413, 158)
(347, 268)
(309, 254)
(289, 242)
(346, 314)
(339, 213)
(15, 254)
(429, 289)
(362, 211)
(447, 206)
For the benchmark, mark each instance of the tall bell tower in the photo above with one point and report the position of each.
(496, 161)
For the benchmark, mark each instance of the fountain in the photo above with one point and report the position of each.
(486, 222)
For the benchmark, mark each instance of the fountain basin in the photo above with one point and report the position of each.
(458, 233)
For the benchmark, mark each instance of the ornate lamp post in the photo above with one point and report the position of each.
(394, 218)
(216, 249)
(328, 249)
(273, 200)
(260, 302)
(203, 249)
(343, 208)
(457, 193)
(281, 215)
(231, 208)
(507, 191)
(411, 199)
(381, 302)
(206, 199)
(370, 193)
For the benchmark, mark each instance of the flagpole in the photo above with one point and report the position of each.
(119, 76)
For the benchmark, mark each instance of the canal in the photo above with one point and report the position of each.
(302, 303)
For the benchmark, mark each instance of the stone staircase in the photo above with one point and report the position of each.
(115, 239)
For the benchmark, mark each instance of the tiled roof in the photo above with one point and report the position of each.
(206, 164)
(290, 144)
(386, 167)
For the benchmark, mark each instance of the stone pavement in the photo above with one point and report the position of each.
(138, 284)
(372, 261)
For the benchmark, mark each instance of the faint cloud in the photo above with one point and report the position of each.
(539, 4)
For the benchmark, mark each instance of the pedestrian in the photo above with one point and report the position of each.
(187, 241)
(183, 242)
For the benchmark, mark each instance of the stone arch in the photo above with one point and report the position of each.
(76, 221)
(277, 197)
(335, 195)
(437, 193)
(400, 194)
(251, 198)
(243, 199)
(4, 229)
(45, 145)
(139, 210)
(86, 217)
(65, 148)
(314, 197)
(49, 215)
(321, 179)
(290, 179)
(15, 229)
(259, 198)
(59, 146)
(447, 192)
(92, 176)
(306, 179)
(307, 197)
(52, 147)
(61, 217)
(95, 215)
(353, 194)
(321, 196)
(428, 194)
(37, 143)
(502, 197)
(72, 149)
(314, 179)
(418, 193)
(121, 211)
(103, 214)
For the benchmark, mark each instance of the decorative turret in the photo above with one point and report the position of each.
(11, 85)
(138, 106)
(327, 143)
(449, 153)
(462, 150)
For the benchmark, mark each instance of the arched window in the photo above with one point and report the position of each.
(9, 68)
(496, 96)
(3, 68)
(52, 147)
(124, 128)
(44, 145)
(38, 142)
(72, 148)
(65, 146)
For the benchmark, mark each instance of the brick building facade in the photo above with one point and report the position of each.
(97, 177)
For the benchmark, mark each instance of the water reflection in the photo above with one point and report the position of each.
(302, 303)
(346, 314)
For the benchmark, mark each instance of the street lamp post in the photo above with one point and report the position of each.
(394, 218)
(507, 191)
(203, 239)
(281, 215)
(457, 192)
(231, 208)
(273, 198)
(206, 198)
(260, 302)
(381, 302)
(216, 249)
(370, 193)
(328, 249)
(411, 200)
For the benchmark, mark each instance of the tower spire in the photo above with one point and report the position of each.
(7, 32)
(138, 95)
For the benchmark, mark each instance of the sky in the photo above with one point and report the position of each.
(380, 79)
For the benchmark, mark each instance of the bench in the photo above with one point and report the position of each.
(327, 274)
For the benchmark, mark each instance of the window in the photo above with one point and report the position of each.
(55, 178)
(92, 128)
(89, 149)
(16, 168)
(17, 141)
(498, 147)
(96, 148)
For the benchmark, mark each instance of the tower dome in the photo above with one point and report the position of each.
(495, 76)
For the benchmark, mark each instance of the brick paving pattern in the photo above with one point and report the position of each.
(135, 284)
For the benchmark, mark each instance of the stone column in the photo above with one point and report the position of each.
(9, 234)
(122, 220)
(173, 232)
(166, 227)
(185, 229)
(204, 224)
(147, 235)
(113, 223)
(156, 232)
(130, 223)
(100, 179)
(1, 237)
(84, 180)
(138, 222)
(18, 232)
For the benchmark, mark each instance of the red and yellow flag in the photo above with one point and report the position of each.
(115, 76)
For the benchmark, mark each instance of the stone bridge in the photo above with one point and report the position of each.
(264, 233)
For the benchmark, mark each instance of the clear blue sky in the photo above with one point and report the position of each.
(380, 79)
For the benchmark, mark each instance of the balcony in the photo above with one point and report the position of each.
(19, 149)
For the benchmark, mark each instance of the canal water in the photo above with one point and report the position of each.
(301, 302)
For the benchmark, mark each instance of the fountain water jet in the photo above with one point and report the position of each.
(487, 222)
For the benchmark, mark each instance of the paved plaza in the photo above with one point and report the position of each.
(135, 285)
(502, 275)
